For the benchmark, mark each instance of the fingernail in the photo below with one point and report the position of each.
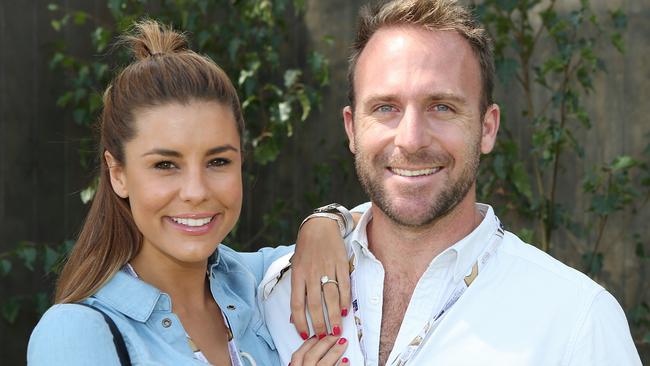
(345, 360)
(304, 336)
(321, 336)
(344, 312)
(342, 341)
(336, 330)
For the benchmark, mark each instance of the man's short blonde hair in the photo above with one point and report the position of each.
(433, 15)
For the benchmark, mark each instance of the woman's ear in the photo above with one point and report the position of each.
(117, 174)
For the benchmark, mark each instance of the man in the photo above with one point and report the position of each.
(435, 278)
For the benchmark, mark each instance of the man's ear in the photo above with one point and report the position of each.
(117, 174)
(348, 119)
(490, 128)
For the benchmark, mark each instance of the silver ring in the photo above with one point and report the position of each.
(324, 280)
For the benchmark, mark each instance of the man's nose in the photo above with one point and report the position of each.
(412, 132)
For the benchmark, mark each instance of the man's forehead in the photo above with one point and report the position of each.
(409, 57)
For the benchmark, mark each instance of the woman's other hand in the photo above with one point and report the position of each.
(321, 352)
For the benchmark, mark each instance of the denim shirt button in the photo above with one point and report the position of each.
(166, 322)
(231, 307)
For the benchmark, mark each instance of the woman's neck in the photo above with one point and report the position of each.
(185, 283)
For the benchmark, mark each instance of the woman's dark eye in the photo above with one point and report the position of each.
(164, 165)
(219, 162)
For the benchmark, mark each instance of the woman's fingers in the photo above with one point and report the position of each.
(333, 311)
(344, 288)
(298, 295)
(315, 308)
(324, 352)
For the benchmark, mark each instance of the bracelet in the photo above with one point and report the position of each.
(335, 212)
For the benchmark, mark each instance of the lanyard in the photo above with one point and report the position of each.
(235, 358)
(437, 315)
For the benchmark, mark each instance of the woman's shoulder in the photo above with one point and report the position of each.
(71, 334)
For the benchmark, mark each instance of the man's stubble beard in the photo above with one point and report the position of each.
(454, 191)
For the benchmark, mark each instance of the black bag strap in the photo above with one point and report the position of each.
(118, 340)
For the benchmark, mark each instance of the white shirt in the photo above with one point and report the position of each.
(524, 308)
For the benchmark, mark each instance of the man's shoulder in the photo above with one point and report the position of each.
(537, 266)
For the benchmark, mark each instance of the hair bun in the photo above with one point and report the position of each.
(150, 38)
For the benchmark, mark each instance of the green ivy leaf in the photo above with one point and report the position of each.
(52, 7)
(50, 259)
(305, 104)
(623, 162)
(56, 24)
(284, 110)
(521, 180)
(27, 253)
(42, 303)
(88, 193)
(80, 17)
(5, 267)
(10, 309)
(603, 205)
(291, 76)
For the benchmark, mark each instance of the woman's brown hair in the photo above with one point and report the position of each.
(163, 71)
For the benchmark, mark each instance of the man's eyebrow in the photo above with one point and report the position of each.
(376, 98)
(387, 98)
(448, 96)
(176, 154)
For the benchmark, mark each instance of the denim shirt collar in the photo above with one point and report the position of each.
(138, 300)
(143, 298)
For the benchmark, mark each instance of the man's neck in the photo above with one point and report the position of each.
(390, 242)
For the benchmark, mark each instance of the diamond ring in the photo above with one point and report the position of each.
(324, 280)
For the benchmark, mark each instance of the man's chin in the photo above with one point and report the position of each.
(410, 215)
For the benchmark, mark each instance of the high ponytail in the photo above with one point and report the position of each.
(164, 70)
(150, 38)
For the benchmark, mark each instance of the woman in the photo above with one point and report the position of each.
(170, 189)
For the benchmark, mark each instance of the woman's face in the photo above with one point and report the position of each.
(182, 176)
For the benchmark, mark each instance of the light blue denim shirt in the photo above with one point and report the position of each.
(70, 334)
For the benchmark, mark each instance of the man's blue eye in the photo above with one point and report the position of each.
(164, 165)
(385, 108)
(441, 108)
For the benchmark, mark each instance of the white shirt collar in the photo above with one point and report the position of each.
(465, 251)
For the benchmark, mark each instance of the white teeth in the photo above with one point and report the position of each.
(192, 222)
(414, 173)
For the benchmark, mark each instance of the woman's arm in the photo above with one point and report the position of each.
(71, 335)
(320, 251)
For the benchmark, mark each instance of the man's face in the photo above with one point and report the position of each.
(416, 131)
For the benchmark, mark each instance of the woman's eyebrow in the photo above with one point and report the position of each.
(175, 154)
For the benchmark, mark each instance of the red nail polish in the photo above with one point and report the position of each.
(344, 312)
(321, 336)
(304, 336)
(345, 360)
(342, 341)
(336, 330)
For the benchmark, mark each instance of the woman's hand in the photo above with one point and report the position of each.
(320, 251)
(324, 352)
